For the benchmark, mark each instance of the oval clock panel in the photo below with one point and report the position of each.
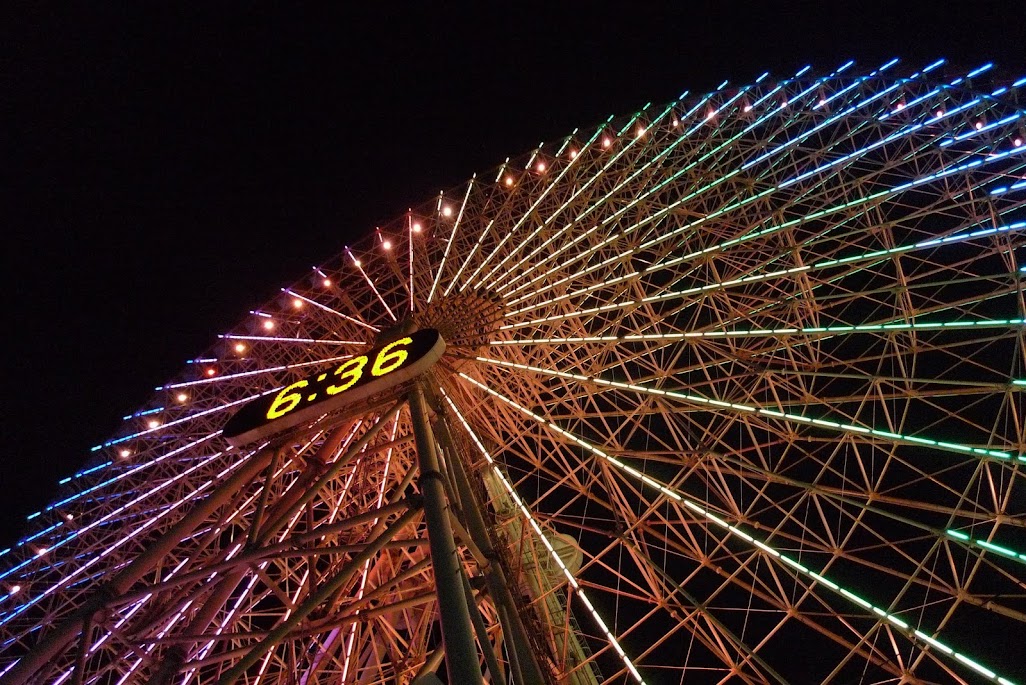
(354, 379)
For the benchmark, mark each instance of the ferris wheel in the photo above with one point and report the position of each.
(726, 390)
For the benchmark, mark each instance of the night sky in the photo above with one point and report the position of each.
(167, 169)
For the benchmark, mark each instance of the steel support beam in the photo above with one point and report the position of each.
(53, 643)
(461, 660)
(521, 651)
(315, 599)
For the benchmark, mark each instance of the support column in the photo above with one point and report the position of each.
(524, 661)
(461, 657)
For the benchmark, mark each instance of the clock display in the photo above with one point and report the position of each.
(354, 379)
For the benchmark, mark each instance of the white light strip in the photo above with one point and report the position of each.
(163, 426)
(359, 267)
(599, 133)
(330, 310)
(448, 244)
(473, 251)
(895, 622)
(243, 374)
(271, 338)
(614, 643)
(128, 537)
(515, 273)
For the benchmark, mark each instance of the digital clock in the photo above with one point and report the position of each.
(357, 378)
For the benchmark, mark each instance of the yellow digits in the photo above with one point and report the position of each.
(349, 373)
(388, 361)
(286, 397)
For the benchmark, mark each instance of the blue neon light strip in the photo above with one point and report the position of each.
(1005, 189)
(184, 419)
(142, 413)
(976, 72)
(149, 523)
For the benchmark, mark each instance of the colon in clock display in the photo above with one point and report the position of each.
(379, 369)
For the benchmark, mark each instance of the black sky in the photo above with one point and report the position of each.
(168, 167)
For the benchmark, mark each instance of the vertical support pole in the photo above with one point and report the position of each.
(78, 677)
(482, 635)
(524, 661)
(461, 654)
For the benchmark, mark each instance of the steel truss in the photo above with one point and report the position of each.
(733, 391)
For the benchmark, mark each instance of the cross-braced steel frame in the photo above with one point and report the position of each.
(733, 391)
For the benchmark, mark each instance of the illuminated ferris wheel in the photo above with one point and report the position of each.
(726, 390)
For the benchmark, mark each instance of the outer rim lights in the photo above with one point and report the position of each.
(327, 282)
(676, 122)
(210, 372)
(1017, 142)
(239, 347)
(153, 423)
(939, 113)
(297, 303)
(606, 141)
(509, 180)
(573, 154)
(747, 108)
(446, 211)
(540, 167)
(268, 325)
(386, 244)
(182, 397)
(357, 263)
(978, 125)
(641, 131)
(15, 589)
(417, 228)
(69, 517)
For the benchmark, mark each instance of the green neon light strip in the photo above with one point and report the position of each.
(763, 332)
(845, 427)
(725, 177)
(510, 276)
(948, 171)
(998, 549)
(529, 517)
(898, 624)
(897, 190)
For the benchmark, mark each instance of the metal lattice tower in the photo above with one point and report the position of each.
(733, 391)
